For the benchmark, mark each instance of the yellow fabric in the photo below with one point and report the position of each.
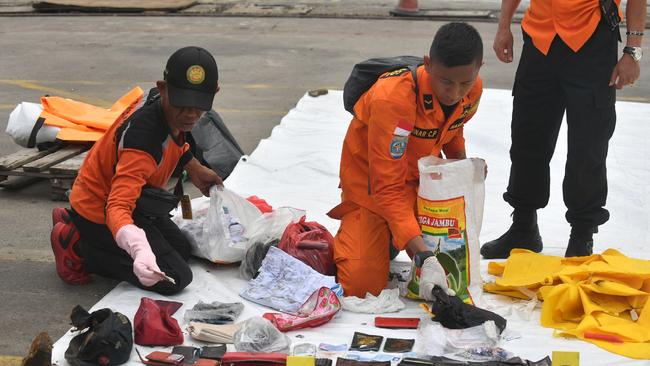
(591, 298)
(84, 122)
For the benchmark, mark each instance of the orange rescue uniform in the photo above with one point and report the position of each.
(379, 172)
(139, 151)
(574, 21)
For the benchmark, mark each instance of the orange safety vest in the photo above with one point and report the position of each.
(84, 122)
(574, 21)
(385, 140)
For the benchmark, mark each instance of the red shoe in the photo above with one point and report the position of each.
(69, 265)
(60, 214)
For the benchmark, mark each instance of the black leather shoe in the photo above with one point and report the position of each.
(581, 243)
(523, 233)
(515, 237)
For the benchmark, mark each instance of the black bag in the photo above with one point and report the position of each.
(156, 202)
(453, 313)
(107, 341)
(215, 144)
(365, 74)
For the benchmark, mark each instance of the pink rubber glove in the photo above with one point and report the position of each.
(134, 241)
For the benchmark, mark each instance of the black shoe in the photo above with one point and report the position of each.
(523, 233)
(581, 242)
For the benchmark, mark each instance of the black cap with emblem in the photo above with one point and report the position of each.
(191, 74)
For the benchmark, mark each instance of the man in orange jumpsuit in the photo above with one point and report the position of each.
(105, 232)
(569, 63)
(387, 136)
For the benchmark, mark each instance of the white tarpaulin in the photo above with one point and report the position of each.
(298, 166)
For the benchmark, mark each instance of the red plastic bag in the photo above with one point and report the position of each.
(154, 325)
(312, 244)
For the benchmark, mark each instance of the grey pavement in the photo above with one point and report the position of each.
(266, 65)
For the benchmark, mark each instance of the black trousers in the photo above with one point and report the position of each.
(102, 256)
(547, 86)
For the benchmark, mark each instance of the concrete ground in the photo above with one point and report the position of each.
(266, 65)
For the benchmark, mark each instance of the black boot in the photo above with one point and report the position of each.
(523, 233)
(581, 241)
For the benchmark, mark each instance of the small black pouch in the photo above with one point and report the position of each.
(609, 13)
(156, 202)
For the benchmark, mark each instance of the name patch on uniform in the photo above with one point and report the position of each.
(457, 124)
(400, 139)
(428, 101)
(467, 110)
(397, 72)
(425, 133)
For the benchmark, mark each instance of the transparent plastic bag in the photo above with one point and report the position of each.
(264, 233)
(259, 335)
(226, 209)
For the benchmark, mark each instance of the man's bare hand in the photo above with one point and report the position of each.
(502, 46)
(202, 177)
(625, 73)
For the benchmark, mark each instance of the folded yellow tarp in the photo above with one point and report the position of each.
(84, 122)
(602, 298)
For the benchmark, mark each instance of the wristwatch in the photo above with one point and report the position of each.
(635, 52)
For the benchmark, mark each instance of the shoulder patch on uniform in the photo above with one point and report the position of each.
(400, 138)
(398, 146)
(397, 72)
(428, 101)
(425, 133)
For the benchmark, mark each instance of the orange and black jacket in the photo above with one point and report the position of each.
(387, 136)
(141, 150)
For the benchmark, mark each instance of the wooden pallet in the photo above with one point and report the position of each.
(59, 164)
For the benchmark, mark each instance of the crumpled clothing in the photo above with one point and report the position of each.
(252, 262)
(388, 301)
(595, 298)
(215, 312)
(259, 335)
(284, 283)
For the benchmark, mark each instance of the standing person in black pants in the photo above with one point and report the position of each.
(569, 63)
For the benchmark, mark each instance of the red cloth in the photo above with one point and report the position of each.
(154, 325)
(260, 203)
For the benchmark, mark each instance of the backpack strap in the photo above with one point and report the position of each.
(414, 73)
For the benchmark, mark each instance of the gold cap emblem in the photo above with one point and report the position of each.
(195, 74)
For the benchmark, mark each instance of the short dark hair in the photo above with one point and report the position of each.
(456, 44)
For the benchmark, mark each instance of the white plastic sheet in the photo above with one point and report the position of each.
(306, 148)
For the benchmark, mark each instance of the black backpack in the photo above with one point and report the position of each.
(106, 341)
(365, 74)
